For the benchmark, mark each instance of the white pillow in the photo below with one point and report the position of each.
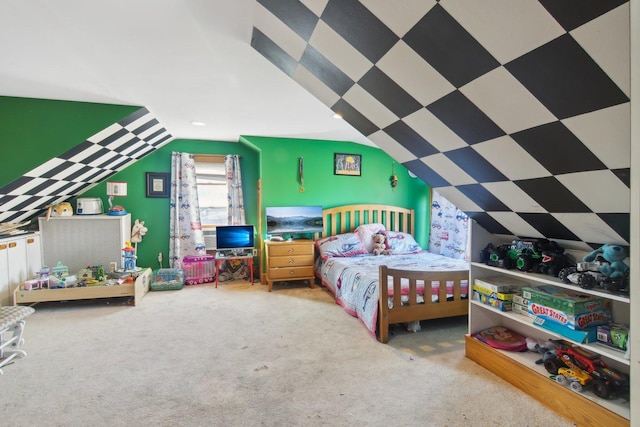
(402, 243)
(366, 232)
(341, 245)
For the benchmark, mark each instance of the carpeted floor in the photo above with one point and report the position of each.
(241, 356)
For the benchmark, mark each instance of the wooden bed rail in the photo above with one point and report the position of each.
(456, 305)
(343, 219)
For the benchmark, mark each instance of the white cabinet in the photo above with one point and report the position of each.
(81, 240)
(20, 258)
(521, 370)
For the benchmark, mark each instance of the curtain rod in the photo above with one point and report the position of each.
(210, 158)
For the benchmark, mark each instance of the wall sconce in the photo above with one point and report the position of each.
(116, 189)
(394, 177)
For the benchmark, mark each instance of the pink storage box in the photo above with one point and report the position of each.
(198, 269)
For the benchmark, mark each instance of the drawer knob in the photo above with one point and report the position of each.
(291, 250)
(291, 272)
(291, 260)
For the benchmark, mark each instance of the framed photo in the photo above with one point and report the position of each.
(347, 164)
(157, 184)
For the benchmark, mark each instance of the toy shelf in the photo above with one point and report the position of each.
(536, 278)
(609, 353)
(519, 369)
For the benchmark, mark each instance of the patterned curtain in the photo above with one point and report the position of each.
(185, 234)
(235, 212)
(449, 229)
(234, 269)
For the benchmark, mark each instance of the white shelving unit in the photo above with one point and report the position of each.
(20, 258)
(520, 369)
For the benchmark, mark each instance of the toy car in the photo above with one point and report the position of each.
(575, 377)
(553, 262)
(587, 275)
(605, 382)
(524, 255)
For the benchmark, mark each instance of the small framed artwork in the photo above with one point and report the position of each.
(347, 164)
(157, 184)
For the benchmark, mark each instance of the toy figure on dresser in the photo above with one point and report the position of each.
(604, 267)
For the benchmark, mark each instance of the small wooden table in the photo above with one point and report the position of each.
(219, 258)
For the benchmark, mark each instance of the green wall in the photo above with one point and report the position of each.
(33, 131)
(275, 162)
(280, 186)
(43, 129)
(155, 211)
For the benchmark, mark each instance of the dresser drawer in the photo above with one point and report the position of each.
(286, 249)
(291, 273)
(291, 261)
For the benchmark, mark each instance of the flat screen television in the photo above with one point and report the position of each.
(294, 219)
(234, 238)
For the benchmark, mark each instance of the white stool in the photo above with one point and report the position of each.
(12, 323)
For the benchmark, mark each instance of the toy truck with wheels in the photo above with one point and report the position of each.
(605, 382)
(553, 262)
(587, 275)
(574, 377)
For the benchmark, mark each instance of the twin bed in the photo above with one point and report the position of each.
(406, 286)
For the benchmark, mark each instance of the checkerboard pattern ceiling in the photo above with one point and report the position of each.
(82, 167)
(517, 111)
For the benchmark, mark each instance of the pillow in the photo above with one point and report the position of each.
(402, 243)
(366, 232)
(341, 245)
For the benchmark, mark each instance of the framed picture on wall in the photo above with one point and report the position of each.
(157, 184)
(347, 164)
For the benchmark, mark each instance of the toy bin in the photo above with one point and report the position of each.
(167, 279)
(199, 269)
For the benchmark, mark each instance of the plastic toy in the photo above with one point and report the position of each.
(574, 377)
(128, 258)
(603, 267)
(606, 383)
(553, 262)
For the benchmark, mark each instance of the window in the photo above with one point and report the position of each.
(212, 190)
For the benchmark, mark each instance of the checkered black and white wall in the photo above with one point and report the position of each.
(517, 111)
(80, 168)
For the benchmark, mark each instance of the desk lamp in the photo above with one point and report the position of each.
(116, 189)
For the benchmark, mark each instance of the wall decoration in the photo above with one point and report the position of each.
(157, 184)
(347, 164)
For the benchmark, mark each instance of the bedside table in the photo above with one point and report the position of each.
(289, 260)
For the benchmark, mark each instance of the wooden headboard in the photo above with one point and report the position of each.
(342, 219)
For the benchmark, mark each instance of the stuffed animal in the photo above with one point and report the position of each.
(615, 256)
(379, 245)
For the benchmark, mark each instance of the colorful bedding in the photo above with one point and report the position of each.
(354, 280)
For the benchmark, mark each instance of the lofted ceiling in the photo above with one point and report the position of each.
(517, 111)
(185, 61)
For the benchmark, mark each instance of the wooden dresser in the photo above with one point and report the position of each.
(289, 260)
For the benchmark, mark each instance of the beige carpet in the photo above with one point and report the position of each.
(241, 356)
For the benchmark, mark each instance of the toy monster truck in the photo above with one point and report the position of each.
(553, 261)
(605, 382)
(575, 377)
(587, 275)
(525, 255)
